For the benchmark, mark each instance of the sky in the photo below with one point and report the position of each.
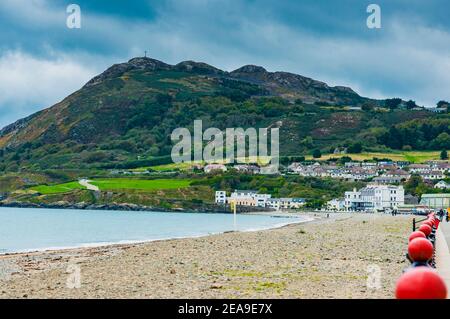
(42, 60)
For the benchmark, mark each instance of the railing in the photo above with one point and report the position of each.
(414, 223)
(431, 237)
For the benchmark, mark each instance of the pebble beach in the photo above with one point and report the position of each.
(333, 257)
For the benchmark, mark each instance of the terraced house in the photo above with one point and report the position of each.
(253, 199)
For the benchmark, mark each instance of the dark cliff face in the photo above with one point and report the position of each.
(134, 64)
(297, 86)
(18, 125)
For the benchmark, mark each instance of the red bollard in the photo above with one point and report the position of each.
(426, 229)
(429, 223)
(436, 223)
(420, 283)
(416, 234)
(420, 249)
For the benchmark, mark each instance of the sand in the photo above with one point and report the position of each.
(344, 256)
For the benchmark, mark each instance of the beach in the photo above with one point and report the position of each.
(326, 258)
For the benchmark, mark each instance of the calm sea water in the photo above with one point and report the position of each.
(28, 229)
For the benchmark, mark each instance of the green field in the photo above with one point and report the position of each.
(58, 188)
(167, 167)
(114, 184)
(412, 156)
(124, 183)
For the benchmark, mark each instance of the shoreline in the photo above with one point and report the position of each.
(122, 243)
(206, 208)
(323, 258)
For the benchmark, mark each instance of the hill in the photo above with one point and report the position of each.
(124, 116)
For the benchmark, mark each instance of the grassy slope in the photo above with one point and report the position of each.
(123, 183)
(115, 184)
(413, 156)
(58, 188)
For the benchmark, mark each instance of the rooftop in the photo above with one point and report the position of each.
(245, 191)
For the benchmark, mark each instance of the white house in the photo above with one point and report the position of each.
(432, 175)
(248, 198)
(419, 168)
(336, 204)
(221, 197)
(397, 173)
(375, 198)
(285, 203)
(252, 169)
(442, 185)
(215, 167)
(253, 198)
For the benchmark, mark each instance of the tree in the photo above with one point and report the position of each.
(444, 155)
(394, 139)
(442, 104)
(407, 148)
(345, 159)
(442, 141)
(317, 153)
(413, 184)
(298, 109)
(307, 142)
(315, 203)
(355, 148)
(368, 106)
(297, 158)
(411, 104)
(393, 103)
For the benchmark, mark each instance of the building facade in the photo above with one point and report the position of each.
(436, 201)
(375, 198)
(254, 199)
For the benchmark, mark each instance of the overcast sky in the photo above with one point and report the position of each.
(42, 61)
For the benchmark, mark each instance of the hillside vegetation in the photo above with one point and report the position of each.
(123, 118)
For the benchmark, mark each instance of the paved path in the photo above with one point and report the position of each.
(86, 183)
(445, 227)
(443, 253)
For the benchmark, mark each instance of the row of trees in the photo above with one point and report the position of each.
(418, 134)
(395, 103)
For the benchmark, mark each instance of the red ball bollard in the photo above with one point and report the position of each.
(420, 249)
(429, 223)
(436, 223)
(426, 229)
(416, 234)
(420, 283)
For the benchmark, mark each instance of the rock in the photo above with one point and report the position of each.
(216, 286)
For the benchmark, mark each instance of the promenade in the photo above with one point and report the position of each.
(443, 252)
